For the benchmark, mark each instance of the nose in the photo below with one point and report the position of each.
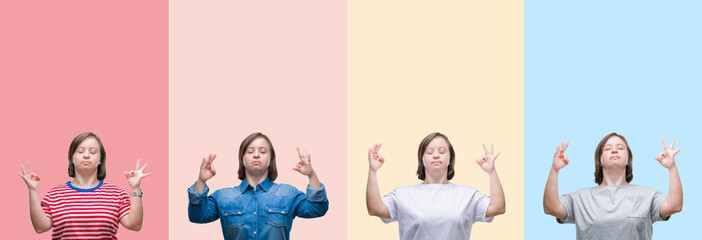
(256, 154)
(86, 155)
(436, 155)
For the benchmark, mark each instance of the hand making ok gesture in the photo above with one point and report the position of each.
(667, 157)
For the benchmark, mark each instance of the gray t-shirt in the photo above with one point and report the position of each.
(613, 212)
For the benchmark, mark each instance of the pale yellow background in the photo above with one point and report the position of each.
(416, 67)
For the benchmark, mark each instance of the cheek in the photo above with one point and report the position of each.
(426, 159)
(265, 159)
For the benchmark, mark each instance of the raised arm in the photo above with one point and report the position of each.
(674, 202)
(552, 204)
(201, 208)
(40, 221)
(135, 218)
(374, 202)
(497, 195)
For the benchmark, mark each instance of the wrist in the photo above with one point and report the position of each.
(136, 188)
(137, 193)
(673, 167)
(312, 174)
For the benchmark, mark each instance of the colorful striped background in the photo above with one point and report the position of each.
(172, 81)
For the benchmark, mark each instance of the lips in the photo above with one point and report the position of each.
(613, 157)
(256, 163)
(435, 162)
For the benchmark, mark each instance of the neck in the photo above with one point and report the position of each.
(614, 177)
(435, 178)
(85, 181)
(256, 178)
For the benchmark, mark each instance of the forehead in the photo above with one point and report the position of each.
(258, 142)
(89, 142)
(615, 140)
(437, 142)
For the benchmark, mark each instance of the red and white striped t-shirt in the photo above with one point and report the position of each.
(85, 213)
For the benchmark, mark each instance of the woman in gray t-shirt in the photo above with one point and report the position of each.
(614, 209)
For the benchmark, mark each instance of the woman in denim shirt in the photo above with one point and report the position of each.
(258, 208)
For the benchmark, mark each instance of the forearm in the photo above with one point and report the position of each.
(135, 218)
(40, 221)
(314, 181)
(674, 202)
(497, 196)
(552, 204)
(374, 202)
(199, 186)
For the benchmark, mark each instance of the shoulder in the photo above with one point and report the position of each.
(642, 189)
(579, 193)
(403, 189)
(57, 190)
(59, 187)
(230, 191)
(284, 188)
(112, 188)
(464, 188)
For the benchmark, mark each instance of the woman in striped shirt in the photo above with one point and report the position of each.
(87, 207)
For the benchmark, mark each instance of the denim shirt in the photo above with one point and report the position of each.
(264, 212)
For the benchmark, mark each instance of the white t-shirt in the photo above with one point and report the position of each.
(436, 211)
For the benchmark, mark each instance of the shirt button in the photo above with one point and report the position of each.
(225, 214)
(283, 212)
(254, 213)
(239, 212)
(254, 232)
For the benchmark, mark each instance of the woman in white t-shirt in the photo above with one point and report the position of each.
(614, 209)
(436, 208)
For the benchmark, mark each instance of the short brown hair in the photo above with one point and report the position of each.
(421, 173)
(598, 155)
(102, 165)
(272, 169)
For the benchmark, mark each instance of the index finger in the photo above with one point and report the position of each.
(298, 151)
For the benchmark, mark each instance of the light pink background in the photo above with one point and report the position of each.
(72, 66)
(238, 67)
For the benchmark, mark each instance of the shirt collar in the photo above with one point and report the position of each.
(265, 185)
